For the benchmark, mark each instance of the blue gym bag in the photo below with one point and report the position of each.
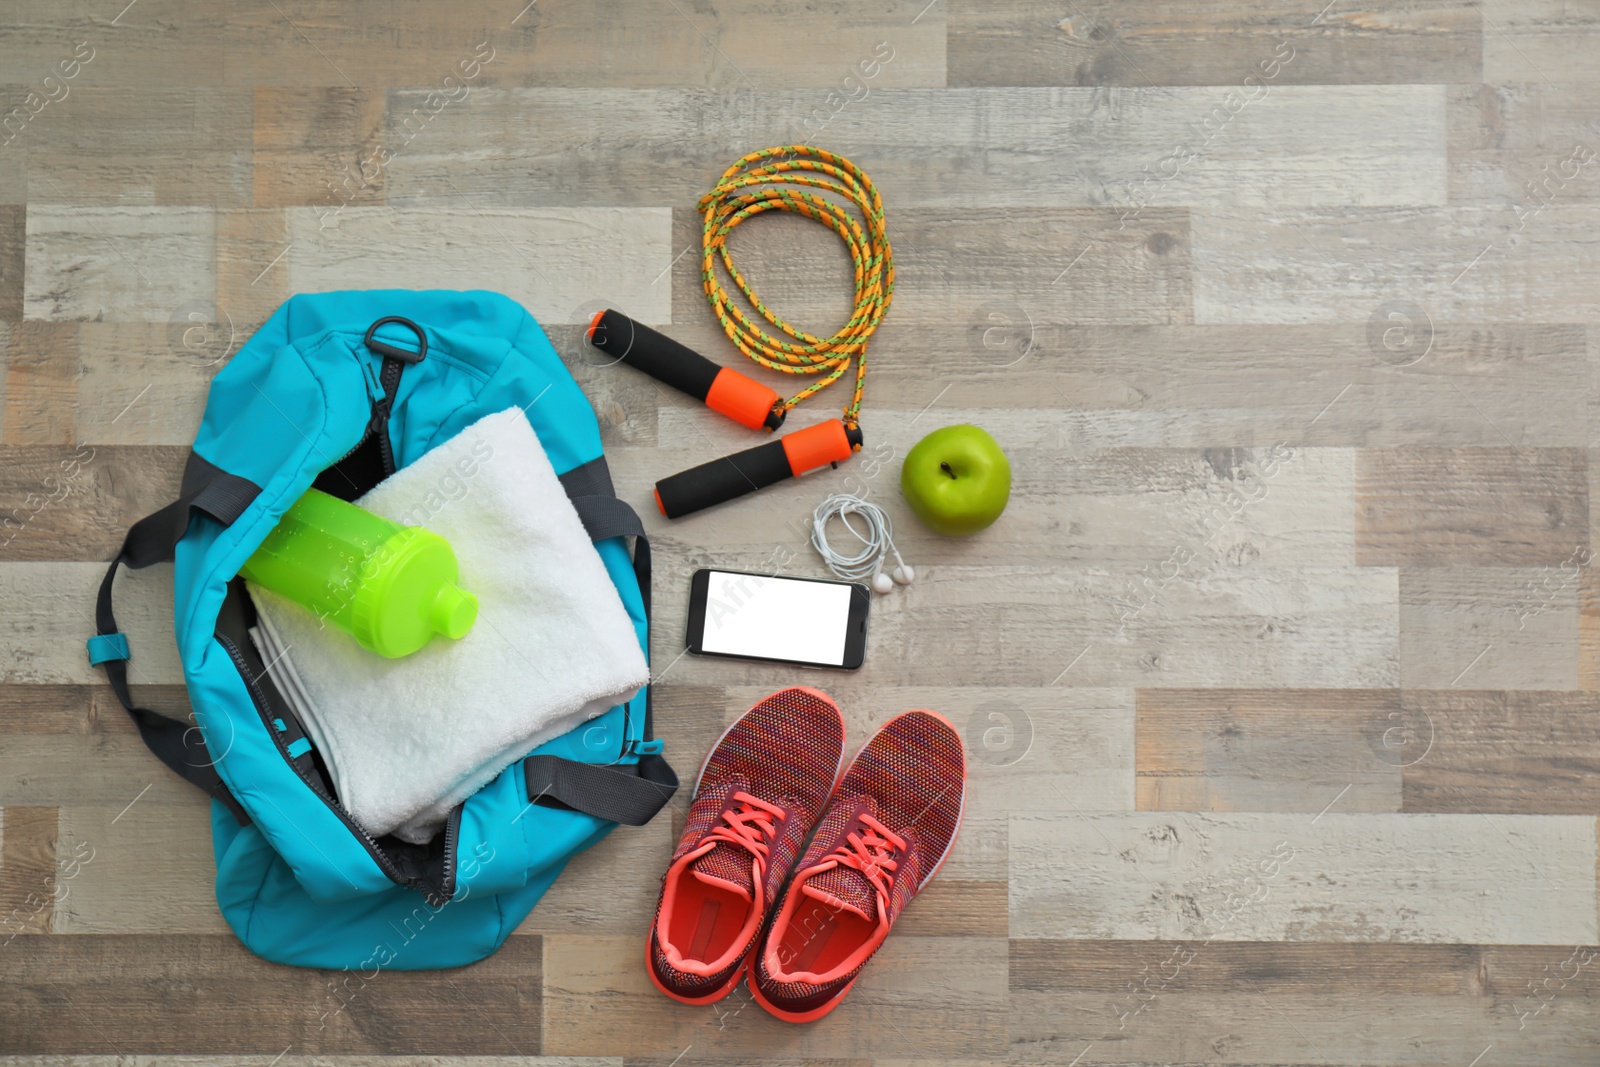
(337, 391)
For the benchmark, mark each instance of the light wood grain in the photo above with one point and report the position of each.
(109, 147)
(305, 140)
(636, 43)
(1538, 41)
(53, 614)
(1500, 506)
(1488, 627)
(1170, 43)
(1528, 145)
(145, 383)
(1266, 1002)
(119, 263)
(168, 43)
(1270, 750)
(1461, 879)
(959, 148)
(599, 250)
(1276, 263)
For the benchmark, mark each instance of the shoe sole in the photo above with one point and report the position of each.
(739, 969)
(750, 962)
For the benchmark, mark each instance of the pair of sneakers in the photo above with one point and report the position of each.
(882, 829)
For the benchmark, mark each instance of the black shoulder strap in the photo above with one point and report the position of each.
(631, 795)
(212, 491)
(628, 794)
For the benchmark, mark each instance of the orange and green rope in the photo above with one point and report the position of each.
(762, 181)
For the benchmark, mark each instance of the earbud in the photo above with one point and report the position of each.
(877, 543)
(903, 574)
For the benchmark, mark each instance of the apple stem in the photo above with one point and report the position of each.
(946, 468)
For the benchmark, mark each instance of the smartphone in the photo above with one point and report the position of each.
(811, 622)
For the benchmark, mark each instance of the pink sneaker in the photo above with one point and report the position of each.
(759, 794)
(886, 831)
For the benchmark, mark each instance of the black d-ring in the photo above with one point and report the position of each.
(404, 355)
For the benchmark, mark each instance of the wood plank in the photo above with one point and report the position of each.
(160, 146)
(1471, 506)
(1073, 625)
(145, 863)
(1178, 43)
(1144, 386)
(1463, 879)
(14, 162)
(75, 502)
(1505, 752)
(75, 744)
(1269, 750)
(631, 44)
(50, 613)
(1138, 273)
(59, 709)
(100, 994)
(1487, 628)
(28, 876)
(41, 383)
(1471, 263)
(1395, 1005)
(1524, 146)
(960, 1016)
(160, 43)
(305, 140)
(118, 263)
(251, 282)
(1539, 40)
(145, 383)
(955, 148)
(311, 1061)
(13, 246)
(555, 261)
(1199, 512)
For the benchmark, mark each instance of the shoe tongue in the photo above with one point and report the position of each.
(727, 866)
(844, 887)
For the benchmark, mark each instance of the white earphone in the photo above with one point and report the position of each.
(877, 543)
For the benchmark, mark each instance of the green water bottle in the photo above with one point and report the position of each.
(391, 587)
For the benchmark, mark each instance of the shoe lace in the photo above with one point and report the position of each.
(871, 851)
(750, 826)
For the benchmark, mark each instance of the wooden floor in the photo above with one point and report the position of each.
(1279, 676)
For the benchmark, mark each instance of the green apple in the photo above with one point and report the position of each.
(957, 480)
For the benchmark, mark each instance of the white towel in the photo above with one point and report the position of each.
(405, 740)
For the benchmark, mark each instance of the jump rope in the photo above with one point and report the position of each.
(805, 180)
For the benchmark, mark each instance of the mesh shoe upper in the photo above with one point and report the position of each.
(884, 833)
(757, 798)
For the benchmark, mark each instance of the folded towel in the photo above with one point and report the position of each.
(406, 740)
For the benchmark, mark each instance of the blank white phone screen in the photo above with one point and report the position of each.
(775, 618)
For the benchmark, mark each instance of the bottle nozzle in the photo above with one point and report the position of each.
(454, 611)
